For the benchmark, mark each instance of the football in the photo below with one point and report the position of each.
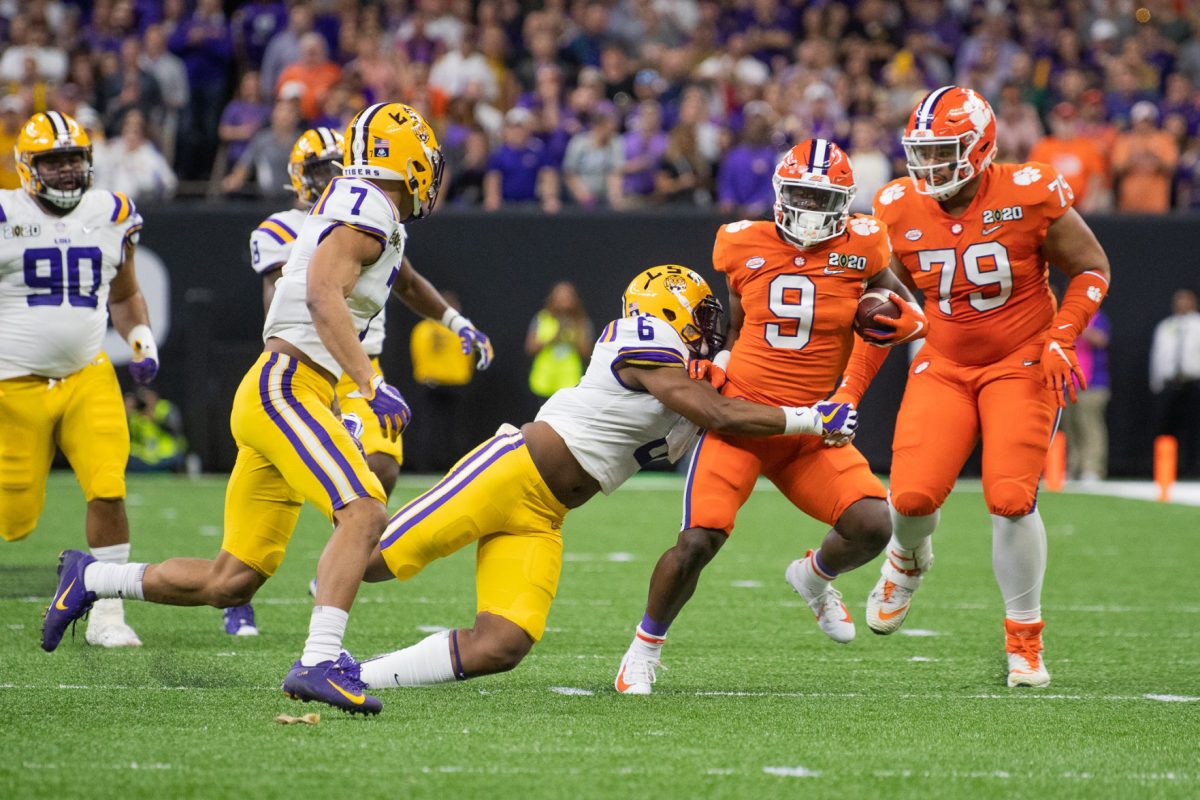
(872, 304)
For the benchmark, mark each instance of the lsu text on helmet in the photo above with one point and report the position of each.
(54, 159)
(391, 141)
(814, 186)
(316, 160)
(950, 139)
(681, 298)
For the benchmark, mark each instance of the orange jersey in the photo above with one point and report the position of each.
(985, 280)
(799, 306)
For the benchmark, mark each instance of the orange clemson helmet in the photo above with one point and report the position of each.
(814, 186)
(950, 139)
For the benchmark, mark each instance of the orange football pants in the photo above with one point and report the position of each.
(821, 481)
(945, 410)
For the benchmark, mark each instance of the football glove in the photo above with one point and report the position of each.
(144, 366)
(354, 424)
(713, 371)
(472, 338)
(388, 404)
(910, 325)
(1060, 367)
(835, 423)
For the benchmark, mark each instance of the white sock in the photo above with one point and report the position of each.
(647, 645)
(326, 629)
(115, 580)
(425, 663)
(1019, 562)
(812, 579)
(910, 549)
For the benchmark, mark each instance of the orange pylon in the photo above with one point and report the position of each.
(1166, 459)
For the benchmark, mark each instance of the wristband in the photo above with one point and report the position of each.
(801, 419)
(141, 341)
(721, 359)
(455, 321)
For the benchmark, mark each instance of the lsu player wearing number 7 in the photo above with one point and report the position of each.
(315, 161)
(66, 264)
(794, 286)
(976, 238)
(509, 496)
(291, 446)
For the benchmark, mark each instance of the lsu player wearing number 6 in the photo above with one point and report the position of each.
(291, 446)
(999, 361)
(66, 264)
(794, 285)
(509, 496)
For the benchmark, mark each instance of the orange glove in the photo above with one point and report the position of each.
(1060, 366)
(713, 371)
(910, 325)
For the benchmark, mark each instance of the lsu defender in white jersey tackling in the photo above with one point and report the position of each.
(66, 263)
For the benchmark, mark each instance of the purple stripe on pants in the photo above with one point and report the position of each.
(264, 394)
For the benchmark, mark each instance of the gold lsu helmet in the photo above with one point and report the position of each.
(391, 141)
(680, 297)
(53, 133)
(316, 159)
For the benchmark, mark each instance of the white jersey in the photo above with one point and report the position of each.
(271, 245)
(612, 430)
(54, 278)
(363, 206)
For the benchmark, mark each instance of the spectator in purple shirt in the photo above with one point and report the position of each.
(203, 41)
(744, 178)
(242, 118)
(517, 171)
(644, 142)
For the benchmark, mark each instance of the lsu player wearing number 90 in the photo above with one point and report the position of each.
(66, 263)
(976, 239)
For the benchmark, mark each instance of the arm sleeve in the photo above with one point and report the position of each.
(865, 361)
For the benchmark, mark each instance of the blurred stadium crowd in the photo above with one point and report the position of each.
(610, 103)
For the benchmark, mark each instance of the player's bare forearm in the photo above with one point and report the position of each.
(332, 273)
(699, 403)
(126, 305)
(416, 292)
(1071, 246)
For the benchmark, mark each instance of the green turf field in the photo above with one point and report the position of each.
(756, 702)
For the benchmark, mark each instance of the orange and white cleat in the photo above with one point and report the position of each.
(899, 578)
(1023, 641)
(637, 673)
(832, 615)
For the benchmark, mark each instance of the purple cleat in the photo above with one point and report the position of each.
(239, 621)
(336, 683)
(71, 599)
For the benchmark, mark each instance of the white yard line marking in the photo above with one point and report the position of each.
(792, 772)
(571, 690)
(746, 584)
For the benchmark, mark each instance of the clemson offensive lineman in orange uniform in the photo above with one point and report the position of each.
(976, 238)
(794, 286)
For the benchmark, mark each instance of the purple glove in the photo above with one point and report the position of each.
(839, 422)
(143, 371)
(475, 339)
(388, 404)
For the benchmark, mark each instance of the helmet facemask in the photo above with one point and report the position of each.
(927, 156)
(810, 212)
(61, 176)
(315, 174)
(423, 206)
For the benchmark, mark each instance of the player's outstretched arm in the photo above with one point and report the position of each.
(701, 404)
(1071, 246)
(127, 308)
(416, 292)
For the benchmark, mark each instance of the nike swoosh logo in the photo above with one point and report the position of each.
(829, 417)
(991, 230)
(829, 271)
(621, 684)
(59, 602)
(846, 611)
(357, 699)
(893, 614)
(1029, 363)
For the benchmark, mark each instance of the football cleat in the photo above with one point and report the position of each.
(107, 628)
(71, 599)
(1023, 641)
(832, 615)
(899, 578)
(637, 673)
(336, 683)
(312, 588)
(239, 621)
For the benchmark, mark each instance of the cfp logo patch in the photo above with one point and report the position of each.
(15, 231)
(380, 148)
(1006, 214)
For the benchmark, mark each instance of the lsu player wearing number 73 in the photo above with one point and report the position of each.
(66, 264)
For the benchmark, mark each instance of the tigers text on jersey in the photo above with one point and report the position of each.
(54, 280)
(799, 306)
(985, 280)
(357, 204)
(271, 245)
(614, 431)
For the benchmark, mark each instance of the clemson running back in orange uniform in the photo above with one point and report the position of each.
(794, 286)
(976, 238)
